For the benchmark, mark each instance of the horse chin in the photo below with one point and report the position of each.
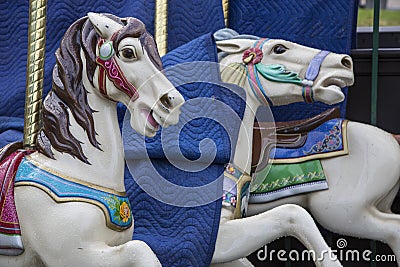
(144, 123)
(331, 94)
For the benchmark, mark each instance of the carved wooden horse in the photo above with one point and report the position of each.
(70, 195)
(362, 184)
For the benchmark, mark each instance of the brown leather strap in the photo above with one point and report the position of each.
(292, 134)
(306, 125)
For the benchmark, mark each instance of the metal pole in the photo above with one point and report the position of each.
(374, 86)
(375, 61)
(225, 8)
(160, 26)
(35, 71)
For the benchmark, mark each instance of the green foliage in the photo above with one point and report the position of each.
(387, 17)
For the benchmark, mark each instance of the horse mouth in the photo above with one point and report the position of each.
(152, 124)
(335, 82)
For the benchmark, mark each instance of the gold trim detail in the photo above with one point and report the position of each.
(343, 152)
(35, 71)
(225, 8)
(240, 182)
(160, 26)
(239, 185)
(71, 179)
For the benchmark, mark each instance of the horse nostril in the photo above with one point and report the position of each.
(166, 101)
(347, 62)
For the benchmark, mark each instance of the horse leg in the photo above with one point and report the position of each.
(363, 185)
(391, 223)
(371, 223)
(385, 205)
(239, 238)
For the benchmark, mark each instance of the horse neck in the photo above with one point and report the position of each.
(244, 145)
(106, 166)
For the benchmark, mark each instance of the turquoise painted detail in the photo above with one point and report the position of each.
(278, 73)
(116, 208)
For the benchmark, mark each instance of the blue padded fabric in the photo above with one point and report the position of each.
(11, 130)
(323, 24)
(180, 236)
(183, 236)
(190, 19)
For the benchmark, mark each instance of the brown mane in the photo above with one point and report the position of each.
(68, 92)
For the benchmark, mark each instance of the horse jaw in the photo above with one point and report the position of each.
(147, 115)
(330, 95)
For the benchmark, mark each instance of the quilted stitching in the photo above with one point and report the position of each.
(185, 236)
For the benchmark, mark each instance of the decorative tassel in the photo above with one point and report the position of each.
(234, 73)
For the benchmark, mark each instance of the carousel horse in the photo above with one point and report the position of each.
(235, 239)
(363, 181)
(70, 194)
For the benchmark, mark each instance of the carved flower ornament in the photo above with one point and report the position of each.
(124, 212)
(252, 55)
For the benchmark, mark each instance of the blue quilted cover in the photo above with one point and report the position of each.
(323, 24)
(181, 227)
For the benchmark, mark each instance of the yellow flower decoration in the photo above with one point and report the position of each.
(124, 211)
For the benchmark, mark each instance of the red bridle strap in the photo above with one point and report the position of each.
(109, 69)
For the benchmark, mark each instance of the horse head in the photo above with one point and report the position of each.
(129, 71)
(279, 72)
(104, 59)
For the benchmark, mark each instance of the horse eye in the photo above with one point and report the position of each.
(128, 53)
(280, 49)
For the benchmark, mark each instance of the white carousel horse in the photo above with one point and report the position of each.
(102, 60)
(363, 183)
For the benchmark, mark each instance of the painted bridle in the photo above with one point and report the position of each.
(253, 56)
(110, 68)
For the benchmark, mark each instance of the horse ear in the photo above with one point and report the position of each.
(234, 46)
(103, 25)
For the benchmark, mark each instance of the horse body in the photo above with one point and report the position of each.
(362, 184)
(74, 233)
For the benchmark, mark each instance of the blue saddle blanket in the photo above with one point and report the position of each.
(299, 170)
(327, 140)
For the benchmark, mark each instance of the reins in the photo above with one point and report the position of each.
(252, 59)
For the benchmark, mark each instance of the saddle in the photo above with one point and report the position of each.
(291, 134)
(10, 232)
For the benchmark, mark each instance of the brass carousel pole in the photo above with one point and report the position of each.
(225, 8)
(35, 71)
(160, 26)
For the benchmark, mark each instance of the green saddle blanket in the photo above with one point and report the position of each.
(283, 180)
(298, 170)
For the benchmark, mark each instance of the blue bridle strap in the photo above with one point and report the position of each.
(311, 74)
